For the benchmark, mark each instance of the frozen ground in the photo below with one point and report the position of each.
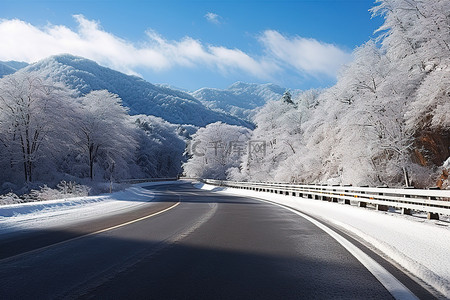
(419, 245)
(47, 214)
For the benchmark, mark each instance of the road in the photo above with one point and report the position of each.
(186, 244)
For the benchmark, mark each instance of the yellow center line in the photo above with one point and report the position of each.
(131, 222)
(92, 233)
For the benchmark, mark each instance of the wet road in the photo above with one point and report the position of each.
(187, 244)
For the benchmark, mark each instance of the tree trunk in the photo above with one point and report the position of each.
(91, 162)
(405, 173)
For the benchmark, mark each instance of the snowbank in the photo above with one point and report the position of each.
(419, 245)
(46, 214)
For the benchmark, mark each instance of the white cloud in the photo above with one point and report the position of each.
(24, 42)
(212, 17)
(305, 55)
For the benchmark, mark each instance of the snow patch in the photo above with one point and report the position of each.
(46, 214)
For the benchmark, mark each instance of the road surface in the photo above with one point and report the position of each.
(186, 244)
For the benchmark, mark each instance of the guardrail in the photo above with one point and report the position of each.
(431, 201)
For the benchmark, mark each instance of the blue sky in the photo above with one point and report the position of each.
(192, 44)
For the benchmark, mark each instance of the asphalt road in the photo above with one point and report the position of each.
(202, 245)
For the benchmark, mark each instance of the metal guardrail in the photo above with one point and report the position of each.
(431, 201)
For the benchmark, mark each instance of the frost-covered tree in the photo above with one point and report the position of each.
(431, 109)
(370, 127)
(416, 40)
(277, 137)
(161, 147)
(106, 135)
(215, 149)
(35, 116)
(415, 33)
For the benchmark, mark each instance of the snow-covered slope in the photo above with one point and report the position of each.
(240, 99)
(139, 95)
(10, 67)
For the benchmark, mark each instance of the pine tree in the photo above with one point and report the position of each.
(287, 98)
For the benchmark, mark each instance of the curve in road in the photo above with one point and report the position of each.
(210, 246)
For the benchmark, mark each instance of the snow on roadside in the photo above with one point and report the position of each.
(46, 214)
(420, 246)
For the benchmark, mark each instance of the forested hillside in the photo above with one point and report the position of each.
(50, 133)
(385, 122)
(140, 96)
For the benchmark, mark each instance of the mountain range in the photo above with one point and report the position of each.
(235, 105)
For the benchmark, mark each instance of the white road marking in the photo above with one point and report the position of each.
(392, 284)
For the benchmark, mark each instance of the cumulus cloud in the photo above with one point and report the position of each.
(24, 42)
(212, 17)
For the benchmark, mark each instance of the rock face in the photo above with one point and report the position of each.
(443, 182)
(432, 148)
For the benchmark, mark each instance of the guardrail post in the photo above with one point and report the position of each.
(407, 211)
(346, 201)
(362, 203)
(431, 215)
(321, 191)
(334, 199)
(381, 207)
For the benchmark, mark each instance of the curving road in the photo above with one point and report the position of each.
(187, 244)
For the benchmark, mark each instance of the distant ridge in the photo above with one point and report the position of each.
(140, 96)
(10, 67)
(240, 99)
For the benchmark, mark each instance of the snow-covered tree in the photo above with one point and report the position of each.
(161, 147)
(106, 135)
(35, 118)
(215, 149)
(416, 40)
(277, 137)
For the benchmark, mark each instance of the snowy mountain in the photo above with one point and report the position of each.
(10, 67)
(240, 99)
(140, 96)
